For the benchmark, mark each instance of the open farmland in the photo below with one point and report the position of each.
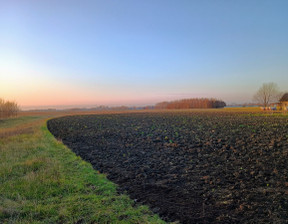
(195, 167)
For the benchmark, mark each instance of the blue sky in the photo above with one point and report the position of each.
(116, 52)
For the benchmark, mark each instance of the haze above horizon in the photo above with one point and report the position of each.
(140, 52)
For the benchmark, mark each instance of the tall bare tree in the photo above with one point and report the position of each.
(267, 93)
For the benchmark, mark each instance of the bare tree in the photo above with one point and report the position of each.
(267, 93)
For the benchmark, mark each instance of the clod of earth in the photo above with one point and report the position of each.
(194, 167)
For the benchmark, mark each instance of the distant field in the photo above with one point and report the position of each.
(42, 181)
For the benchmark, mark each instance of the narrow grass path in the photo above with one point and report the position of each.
(42, 181)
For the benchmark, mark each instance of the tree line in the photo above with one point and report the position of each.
(191, 103)
(8, 109)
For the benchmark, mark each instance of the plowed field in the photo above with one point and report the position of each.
(194, 167)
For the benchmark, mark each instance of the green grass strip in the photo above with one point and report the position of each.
(42, 181)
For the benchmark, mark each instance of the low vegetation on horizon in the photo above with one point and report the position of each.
(191, 103)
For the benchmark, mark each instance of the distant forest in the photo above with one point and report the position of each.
(191, 103)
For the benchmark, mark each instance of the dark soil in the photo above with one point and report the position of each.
(194, 167)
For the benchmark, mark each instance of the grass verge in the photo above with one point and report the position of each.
(42, 181)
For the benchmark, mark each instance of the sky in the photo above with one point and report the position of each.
(112, 52)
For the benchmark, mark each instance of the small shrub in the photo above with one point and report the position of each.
(8, 109)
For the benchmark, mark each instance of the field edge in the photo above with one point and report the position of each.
(42, 180)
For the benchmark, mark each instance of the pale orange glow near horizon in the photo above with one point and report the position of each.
(41, 93)
(30, 87)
